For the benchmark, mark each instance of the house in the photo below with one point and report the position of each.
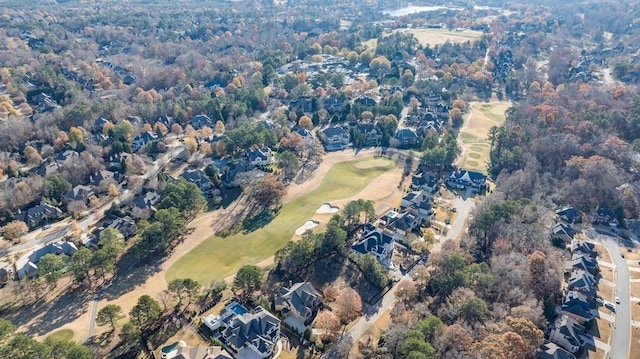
(27, 265)
(66, 156)
(367, 134)
(605, 216)
(334, 138)
(467, 179)
(585, 248)
(580, 261)
(568, 334)
(199, 121)
(418, 203)
(260, 156)
(47, 168)
(147, 200)
(200, 179)
(303, 132)
(583, 282)
(375, 241)
(333, 105)
(564, 231)
(79, 193)
(578, 307)
(253, 335)
(550, 350)
(569, 215)
(366, 101)
(305, 104)
(180, 350)
(99, 178)
(405, 138)
(425, 181)
(98, 125)
(402, 224)
(40, 214)
(143, 140)
(165, 120)
(126, 226)
(114, 162)
(298, 304)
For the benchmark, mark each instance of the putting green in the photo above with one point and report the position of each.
(218, 258)
(474, 155)
(62, 335)
(472, 163)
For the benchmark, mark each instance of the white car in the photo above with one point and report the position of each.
(617, 300)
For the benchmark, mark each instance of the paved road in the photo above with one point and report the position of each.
(92, 317)
(463, 206)
(621, 336)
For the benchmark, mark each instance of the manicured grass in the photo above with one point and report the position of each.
(474, 155)
(472, 163)
(63, 334)
(479, 147)
(218, 258)
(494, 112)
(468, 138)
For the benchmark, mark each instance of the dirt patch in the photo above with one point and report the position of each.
(434, 37)
(598, 354)
(603, 329)
(635, 311)
(635, 289)
(606, 273)
(603, 253)
(634, 352)
(633, 255)
(606, 292)
(634, 274)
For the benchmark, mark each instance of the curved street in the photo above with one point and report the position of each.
(621, 335)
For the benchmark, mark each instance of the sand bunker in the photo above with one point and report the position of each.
(306, 226)
(327, 208)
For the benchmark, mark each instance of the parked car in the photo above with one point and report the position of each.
(617, 300)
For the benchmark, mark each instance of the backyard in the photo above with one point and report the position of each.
(474, 134)
(218, 258)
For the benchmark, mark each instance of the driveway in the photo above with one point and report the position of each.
(621, 335)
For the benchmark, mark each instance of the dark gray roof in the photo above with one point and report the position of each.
(261, 329)
(373, 241)
(550, 350)
(36, 215)
(576, 303)
(301, 297)
(334, 131)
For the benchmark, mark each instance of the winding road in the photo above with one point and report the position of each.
(621, 336)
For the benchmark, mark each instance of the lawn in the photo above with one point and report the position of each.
(63, 334)
(218, 258)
